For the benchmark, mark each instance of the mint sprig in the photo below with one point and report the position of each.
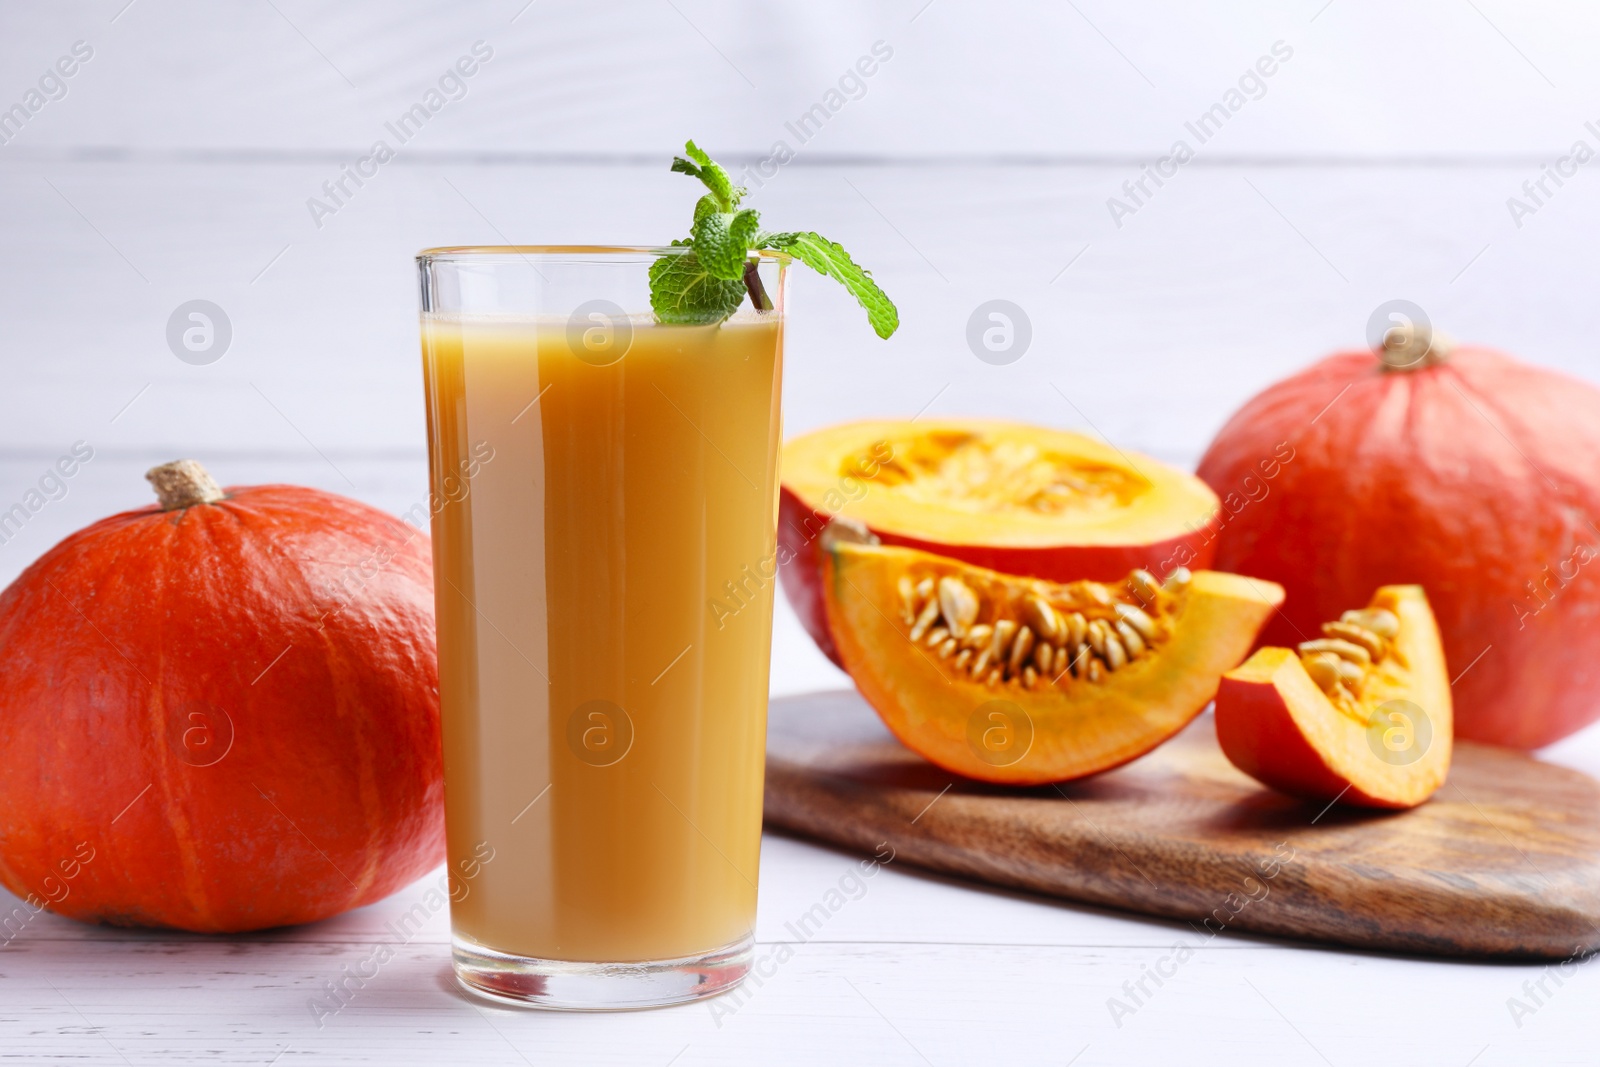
(706, 284)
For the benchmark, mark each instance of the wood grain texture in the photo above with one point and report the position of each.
(1504, 862)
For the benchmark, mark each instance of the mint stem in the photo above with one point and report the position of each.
(752, 284)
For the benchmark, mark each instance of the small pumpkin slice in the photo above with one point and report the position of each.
(1361, 714)
(1022, 681)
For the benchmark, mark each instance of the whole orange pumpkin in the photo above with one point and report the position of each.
(220, 713)
(1459, 469)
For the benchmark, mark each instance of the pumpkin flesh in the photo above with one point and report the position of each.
(1078, 725)
(1010, 497)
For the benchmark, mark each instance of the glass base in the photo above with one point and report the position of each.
(559, 985)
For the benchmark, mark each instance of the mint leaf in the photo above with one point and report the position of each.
(706, 205)
(702, 166)
(684, 166)
(828, 258)
(722, 241)
(683, 292)
(706, 285)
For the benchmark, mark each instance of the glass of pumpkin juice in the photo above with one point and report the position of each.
(604, 502)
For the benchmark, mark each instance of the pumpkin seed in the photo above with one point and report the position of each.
(925, 620)
(1343, 649)
(1038, 614)
(1378, 620)
(1350, 674)
(1096, 593)
(1019, 650)
(980, 664)
(1130, 640)
(841, 530)
(1356, 635)
(959, 605)
(1097, 636)
(1139, 620)
(1144, 585)
(1053, 642)
(1323, 667)
(1001, 642)
(1116, 656)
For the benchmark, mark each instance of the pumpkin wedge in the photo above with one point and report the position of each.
(1362, 714)
(1022, 681)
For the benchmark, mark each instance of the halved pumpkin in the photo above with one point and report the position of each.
(1014, 498)
(1022, 681)
(1362, 714)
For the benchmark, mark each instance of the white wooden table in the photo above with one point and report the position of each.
(975, 163)
(914, 969)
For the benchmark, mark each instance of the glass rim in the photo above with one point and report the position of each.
(572, 252)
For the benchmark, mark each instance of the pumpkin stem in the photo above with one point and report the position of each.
(1408, 347)
(182, 484)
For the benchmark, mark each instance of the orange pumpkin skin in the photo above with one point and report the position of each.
(1477, 477)
(221, 718)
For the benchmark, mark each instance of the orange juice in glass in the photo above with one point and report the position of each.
(604, 488)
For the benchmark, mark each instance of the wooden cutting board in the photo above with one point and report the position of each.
(1503, 862)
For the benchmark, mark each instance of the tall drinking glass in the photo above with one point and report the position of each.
(604, 495)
